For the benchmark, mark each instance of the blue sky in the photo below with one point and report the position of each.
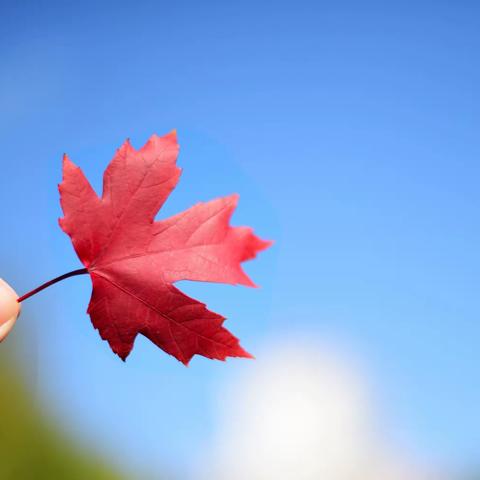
(351, 133)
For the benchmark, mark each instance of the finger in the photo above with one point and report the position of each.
(9, 309)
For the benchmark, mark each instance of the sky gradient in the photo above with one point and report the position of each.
(350, 132)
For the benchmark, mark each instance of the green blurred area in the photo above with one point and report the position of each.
(31, 445)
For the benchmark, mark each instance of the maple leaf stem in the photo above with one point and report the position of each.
(81, 271)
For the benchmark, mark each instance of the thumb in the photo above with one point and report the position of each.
(9, 309)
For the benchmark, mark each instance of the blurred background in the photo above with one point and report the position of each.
(350, 130)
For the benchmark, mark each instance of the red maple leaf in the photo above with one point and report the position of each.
(134, 261)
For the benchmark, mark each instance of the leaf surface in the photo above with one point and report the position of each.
(134, 261)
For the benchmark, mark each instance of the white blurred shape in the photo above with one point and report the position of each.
(302, 414)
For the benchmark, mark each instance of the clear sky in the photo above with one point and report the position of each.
(350, 130)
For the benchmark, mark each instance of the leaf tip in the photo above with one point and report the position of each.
(242, 353)
(170, 137)
(123, 357)
(246, 281)
(264, 244)
(234, 198)
(65, 160)
(67, 164)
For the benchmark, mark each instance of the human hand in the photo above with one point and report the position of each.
(9, 309)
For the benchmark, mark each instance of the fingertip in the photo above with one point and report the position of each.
(9, 308)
